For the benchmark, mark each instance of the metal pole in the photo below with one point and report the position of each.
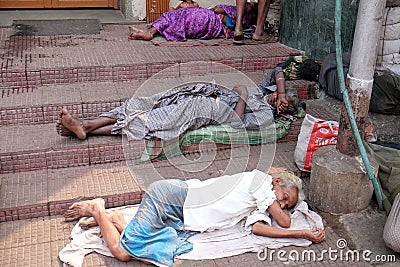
(361, 72)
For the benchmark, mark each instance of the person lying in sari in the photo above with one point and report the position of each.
(195, 23)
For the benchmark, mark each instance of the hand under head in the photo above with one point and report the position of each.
(286, 197)
(288, 104)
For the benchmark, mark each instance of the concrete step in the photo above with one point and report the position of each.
(28, 120)
(49, 192)
(32, 61)
(86, 100)
(37, 147)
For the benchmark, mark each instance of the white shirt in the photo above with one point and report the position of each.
(223, 201)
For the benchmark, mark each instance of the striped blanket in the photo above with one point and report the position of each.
(221, 134)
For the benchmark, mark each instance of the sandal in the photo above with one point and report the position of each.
(268, 39)
(238, 39)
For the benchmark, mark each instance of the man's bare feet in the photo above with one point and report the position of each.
(134, 29)
(137, 34)
(88, 223)
(72, 124)
(61, 130)
(116, 217)
(84, 209)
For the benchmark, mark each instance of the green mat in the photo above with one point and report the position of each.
(221, 134)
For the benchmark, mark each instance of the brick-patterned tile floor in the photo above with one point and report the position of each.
(92, 74)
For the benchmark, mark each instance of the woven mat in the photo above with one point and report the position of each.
(161, 41)
(56, 27)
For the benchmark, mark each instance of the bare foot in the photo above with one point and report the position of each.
(141, 36)
(261, 37)
(88, 223)
(134, 29)
(137, 34)
(83, 209)
(61, 130)
(116, 217)
(72, 124)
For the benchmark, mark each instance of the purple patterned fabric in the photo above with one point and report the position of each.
(231, 12)
(189, 23)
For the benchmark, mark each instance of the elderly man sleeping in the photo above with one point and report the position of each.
(172, 210)
(167, 115)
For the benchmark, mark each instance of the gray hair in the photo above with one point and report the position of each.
(293, 98)
(289, 180)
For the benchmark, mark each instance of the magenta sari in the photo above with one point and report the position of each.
(189, 23)
(196, 23)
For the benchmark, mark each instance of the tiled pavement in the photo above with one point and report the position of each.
(42, 173)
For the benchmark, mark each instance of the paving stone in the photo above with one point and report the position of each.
(51, 234)
(42, 173)
(23, 189)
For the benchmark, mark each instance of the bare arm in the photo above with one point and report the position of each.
(260, 228)
(241, 104)
(281, 101)
(219, 10)
(282, 217)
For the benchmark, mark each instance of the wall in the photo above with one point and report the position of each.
(134, 9)
(389, 45)
(309, 25)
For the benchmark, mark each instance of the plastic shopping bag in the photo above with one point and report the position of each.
(391, 232)
(314, 133)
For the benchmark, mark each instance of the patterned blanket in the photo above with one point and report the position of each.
(221, 134)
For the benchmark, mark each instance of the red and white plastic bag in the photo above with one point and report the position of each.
(314, 133)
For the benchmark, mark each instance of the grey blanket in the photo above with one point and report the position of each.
(389, 171)
(169, 114)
